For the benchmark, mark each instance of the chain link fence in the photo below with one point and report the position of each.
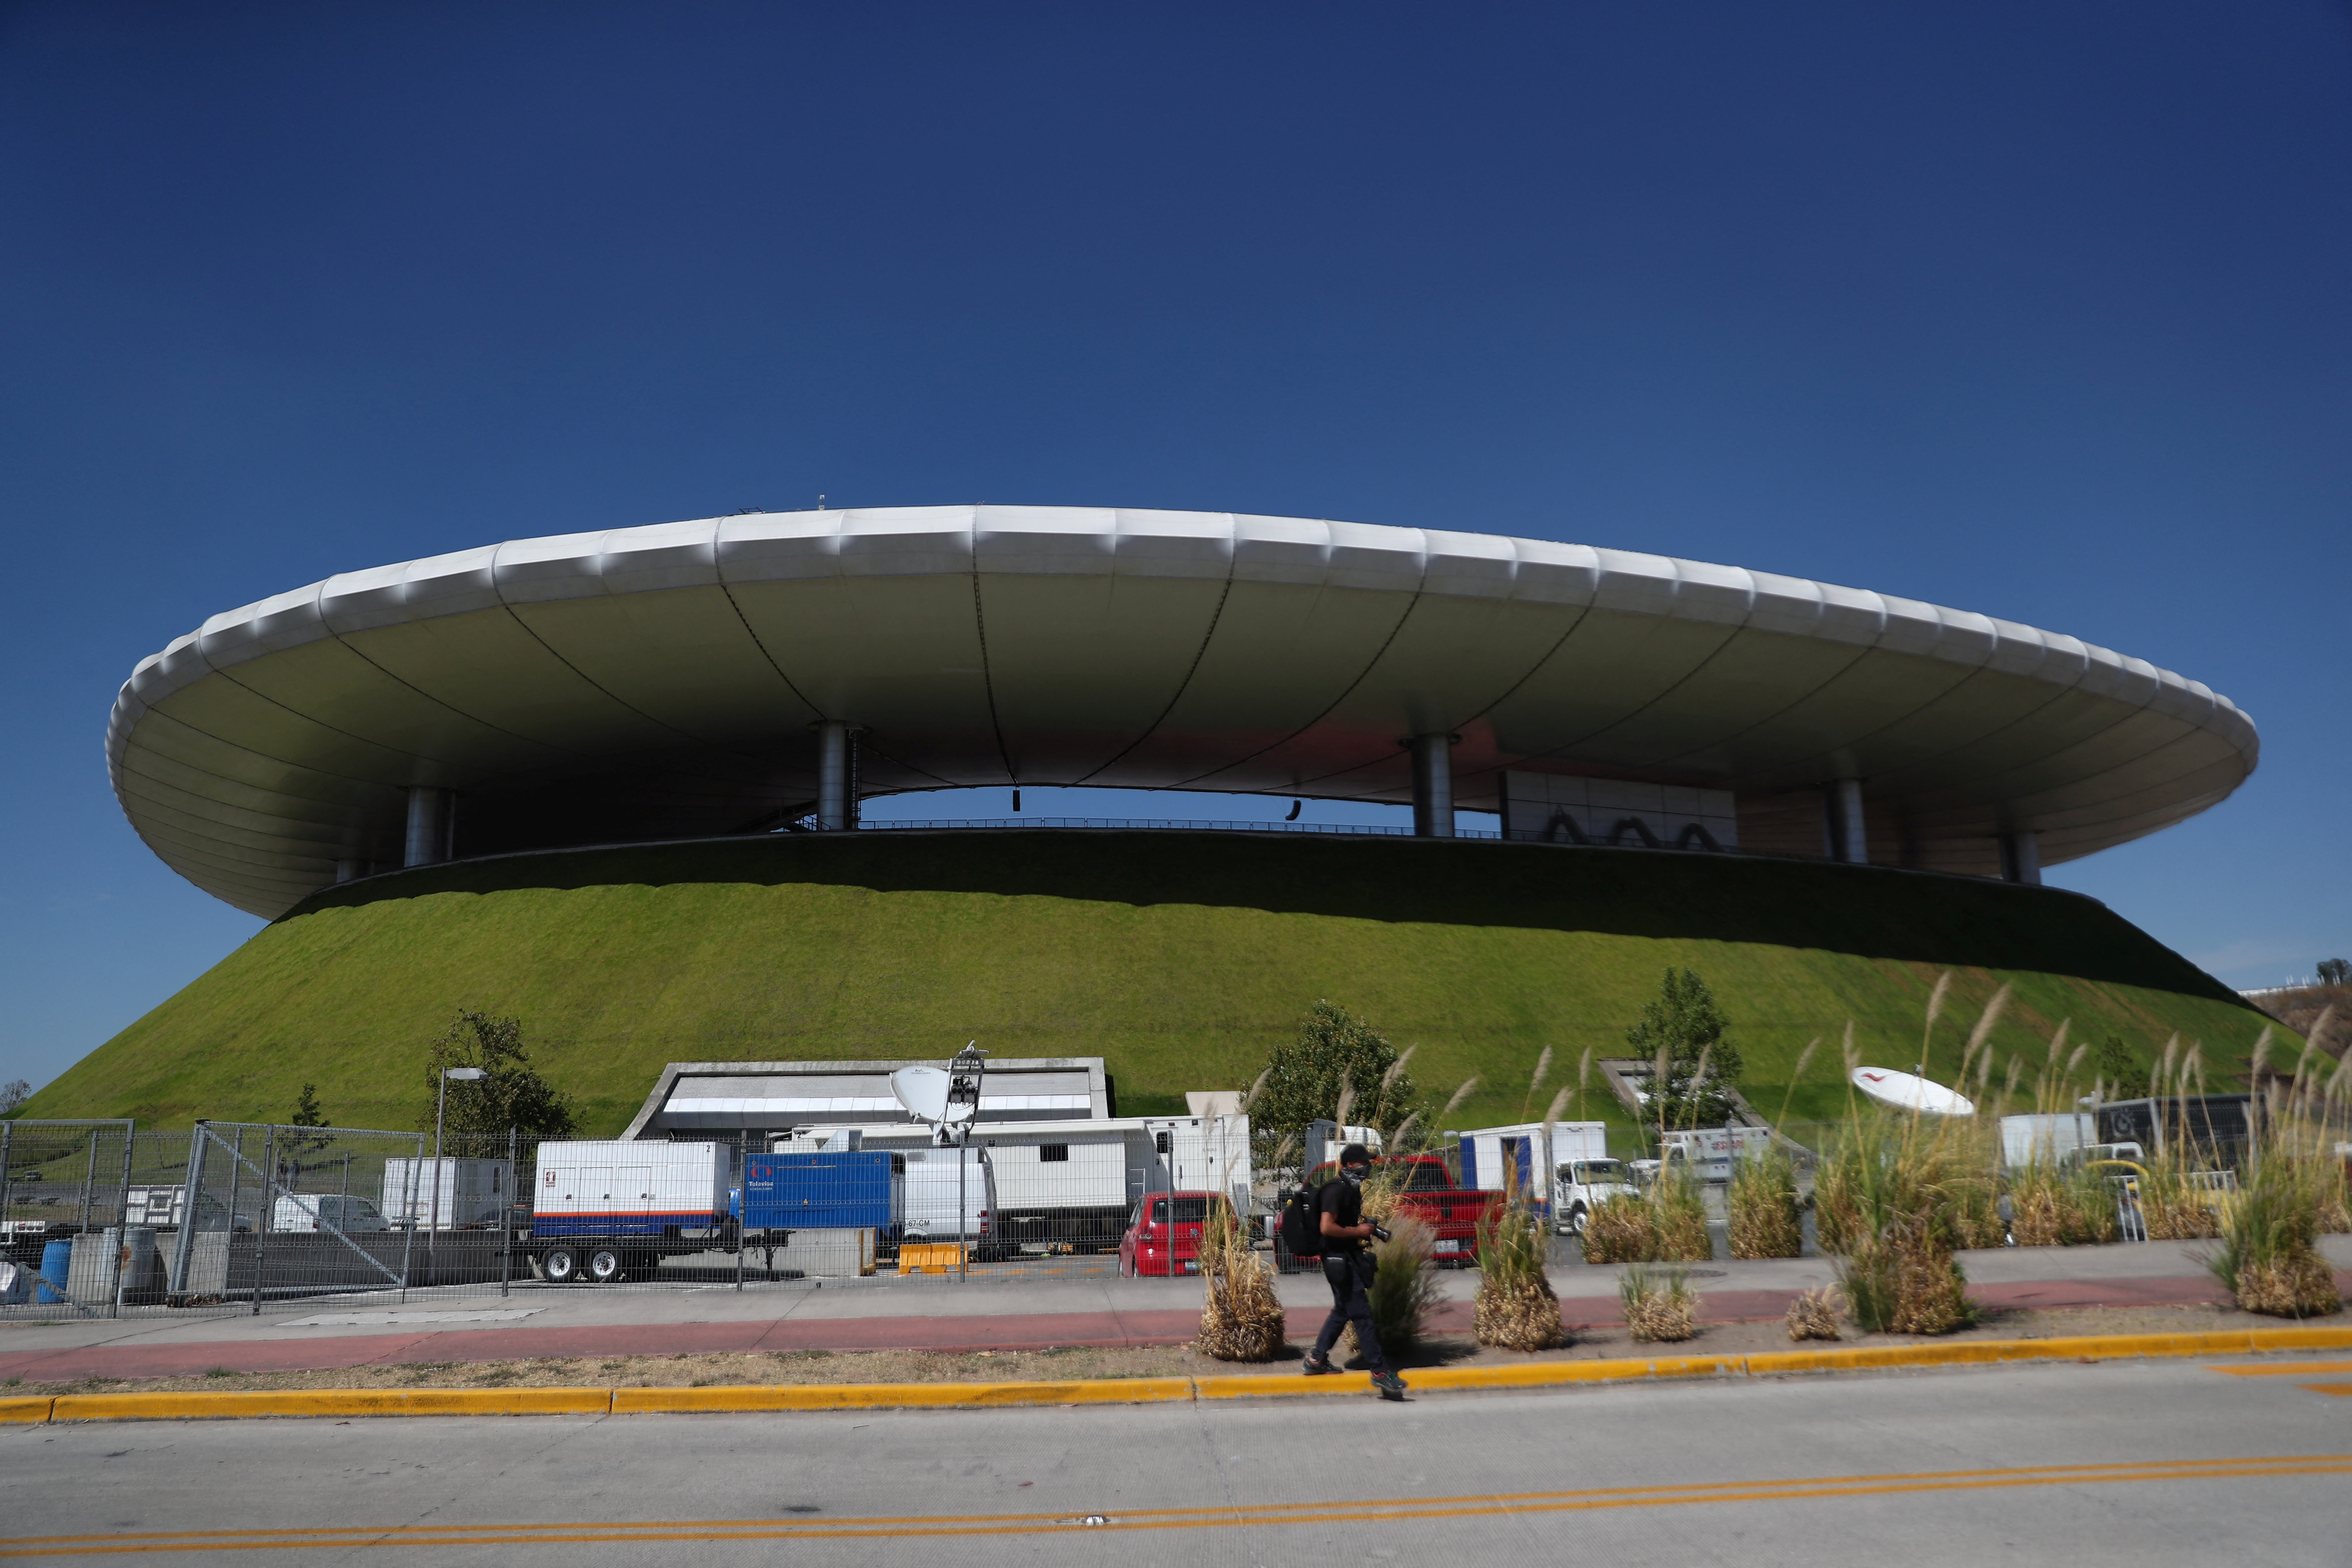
(104, 1219)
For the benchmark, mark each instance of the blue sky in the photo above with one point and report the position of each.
(2037, 311)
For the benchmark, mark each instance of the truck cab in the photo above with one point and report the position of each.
(1579, 1186)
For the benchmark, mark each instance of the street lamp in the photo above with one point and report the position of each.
(440, 1108)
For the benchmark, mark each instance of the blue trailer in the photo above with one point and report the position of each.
(854, 1190)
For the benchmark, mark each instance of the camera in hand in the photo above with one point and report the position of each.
(1380, 1232)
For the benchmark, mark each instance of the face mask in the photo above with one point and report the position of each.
(1352, 1174)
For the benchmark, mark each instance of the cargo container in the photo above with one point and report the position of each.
(471, 1192)
(853, 1190)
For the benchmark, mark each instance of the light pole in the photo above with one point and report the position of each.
(440, 1108)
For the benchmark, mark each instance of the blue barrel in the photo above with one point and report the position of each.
(56, 1263)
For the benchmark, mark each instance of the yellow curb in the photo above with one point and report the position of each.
(1141, 1390)
(334, 1401)
(1277, 1385)
(893, 1395)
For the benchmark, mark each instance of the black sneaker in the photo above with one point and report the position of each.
(1316, 1366)
(1390, 1384)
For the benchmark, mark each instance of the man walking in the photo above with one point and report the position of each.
(1348, 1265)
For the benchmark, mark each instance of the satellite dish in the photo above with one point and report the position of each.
(923, 1092)
(1907, 1092)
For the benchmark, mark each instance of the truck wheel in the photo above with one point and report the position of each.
(1576, 1220)
(559, 1266)
(605, 1266)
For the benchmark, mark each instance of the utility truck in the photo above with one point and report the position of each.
(1514, 1159)
(603, 1212)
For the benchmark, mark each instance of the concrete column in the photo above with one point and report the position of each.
(836, 775)
(430, 817)
(1842, 824)
(1433, 786)
(2021, 857)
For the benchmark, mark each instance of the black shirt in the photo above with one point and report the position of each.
(1344, 1202)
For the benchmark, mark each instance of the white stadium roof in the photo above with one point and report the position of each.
(660, 682)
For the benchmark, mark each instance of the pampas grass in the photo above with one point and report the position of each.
(1659, 1305)
(1618, 1230)
(1763, 1206)
(1814, 1314)
(2268, 1254)
(1516, 1309)
(1405, 1290)
(2054, 1207)
(1241, 1318)
(1665, 1224)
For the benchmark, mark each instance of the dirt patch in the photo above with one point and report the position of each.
(722, 1369)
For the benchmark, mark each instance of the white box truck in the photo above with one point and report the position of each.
(933, 1186)
(2048, 1139)
(1710, 1150)
(604, 1211)
(470, 1192)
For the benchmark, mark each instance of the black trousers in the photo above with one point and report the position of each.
(1350, 1278)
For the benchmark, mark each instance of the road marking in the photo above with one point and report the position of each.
(2283, 1368)
(2344, 1388)
(884, 1528)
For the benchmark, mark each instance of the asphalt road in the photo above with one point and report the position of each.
(2123, 1463)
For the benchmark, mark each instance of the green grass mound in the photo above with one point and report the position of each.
(1181, 958)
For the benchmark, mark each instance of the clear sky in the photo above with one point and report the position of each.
(2039, 310)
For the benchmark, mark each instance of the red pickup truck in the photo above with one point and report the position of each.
(1450, 1213)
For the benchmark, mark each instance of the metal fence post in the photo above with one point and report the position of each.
(506, 1215)
(743, 1187)
(7, 1138)
(268, 1208)
(122, 1218)
(408, 1217)
(183, 1245)
(90, 1179)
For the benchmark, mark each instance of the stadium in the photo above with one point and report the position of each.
(611, 782)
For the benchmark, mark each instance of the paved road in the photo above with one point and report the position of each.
(2123, 1463)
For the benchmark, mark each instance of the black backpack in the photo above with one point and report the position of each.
(1301, 1229)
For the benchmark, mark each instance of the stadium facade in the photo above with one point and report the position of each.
(740, 675)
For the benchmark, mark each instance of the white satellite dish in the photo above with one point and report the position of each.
(923, 1092)
(1908, 1092)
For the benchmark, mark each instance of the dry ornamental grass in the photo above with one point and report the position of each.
(1764, 1221)
(1814, 1314)
(1516, 1309)
(1618, 1230)
(1241, 1318)
(1658, 1307)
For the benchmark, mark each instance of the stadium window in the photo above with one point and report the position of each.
(1048, 1151)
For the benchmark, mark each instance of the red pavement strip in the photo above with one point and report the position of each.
(1002, 1331)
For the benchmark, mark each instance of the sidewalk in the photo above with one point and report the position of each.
(996, 1311)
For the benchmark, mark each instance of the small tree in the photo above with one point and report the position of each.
(513, 1095)
(1695, 1065)
(305, 1110)
(14, 1093)
(2120, 1071)
(2336, 972)
(1336, 1053)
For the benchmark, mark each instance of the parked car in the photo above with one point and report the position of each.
(1158, 1244)
(1452, 1212)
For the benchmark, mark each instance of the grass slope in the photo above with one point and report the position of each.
(1180, 958)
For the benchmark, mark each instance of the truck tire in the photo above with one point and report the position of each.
(606, 1266)
(560, 1265)
(1575, 1225)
